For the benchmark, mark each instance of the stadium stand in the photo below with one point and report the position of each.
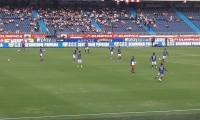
(16, 20)
(113, 20)
(100, 20)
(165, 21)
(69, 20)
(193, 15)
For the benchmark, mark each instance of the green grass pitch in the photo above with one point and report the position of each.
(55, 87)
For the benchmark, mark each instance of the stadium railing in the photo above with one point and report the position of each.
(140, 33)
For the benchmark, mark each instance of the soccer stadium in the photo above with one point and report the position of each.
(99, 59)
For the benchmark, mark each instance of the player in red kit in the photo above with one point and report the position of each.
(23, 45)
(132, 65)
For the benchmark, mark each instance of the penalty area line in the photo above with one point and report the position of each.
(101, 114)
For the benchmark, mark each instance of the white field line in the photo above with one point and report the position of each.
(141, 74)
(172, 56)
(182, 55)
(134, 75)
(101, 114)
(182, 63)
(170, 52)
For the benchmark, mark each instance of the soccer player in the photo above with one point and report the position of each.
(74, 55)
(132, 64)
(165, 53)
(111, 52)
(23, 45)
(161, 71)
(86, 47)
(41, 54)
(162, 61)
(79, 60)
(119, 54)
(153, 60)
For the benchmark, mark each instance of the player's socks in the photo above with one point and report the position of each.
(156, 77)
(88, 51)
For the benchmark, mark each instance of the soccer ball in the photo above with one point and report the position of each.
(135, 62)
(18, 50)
(159, 58)
(159, 80)
(44, 50)
(8, 60)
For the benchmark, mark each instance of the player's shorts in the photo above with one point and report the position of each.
(119, 55)
(111, 53)
(132, 66)
(161, 74)
(23, 46)
(153, 62)
(79, 61)
(164, 57)
(73, 56)
(41, 54)
(86, 48)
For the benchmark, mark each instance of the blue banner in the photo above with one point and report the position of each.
(49, 40)
(94, 40)
(92, 44)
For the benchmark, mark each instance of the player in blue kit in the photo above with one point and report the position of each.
(132, 65)
(87, 47)
(153, 60)
(79, 60)
(165, 54)
(111, 52)
(161, 72)
(74, 55)
(119, 51)
(41, 53)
